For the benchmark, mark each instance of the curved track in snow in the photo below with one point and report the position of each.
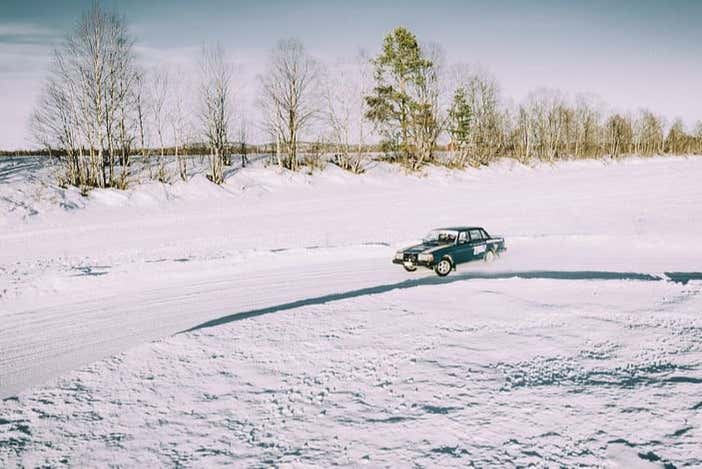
(38, 344)
(41, 343)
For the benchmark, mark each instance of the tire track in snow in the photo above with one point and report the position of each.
(41, 344)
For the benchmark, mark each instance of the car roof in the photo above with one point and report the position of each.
(460, 228)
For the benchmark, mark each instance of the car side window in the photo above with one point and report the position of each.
(485, 235)
(476, 235)
(462, 237)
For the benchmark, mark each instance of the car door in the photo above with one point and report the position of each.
(463, 252)
(477, 244)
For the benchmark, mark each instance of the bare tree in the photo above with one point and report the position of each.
(426, 121)
(243, 140)
(141, 106)
(54, 125)
(158, 101)
(677, 142)
(698, 136)
(549, 120)
(124, 76)
(478, 97)
(345, 88)
(587, 127)
(648, 134)
(523, 145)
(216, 108)
(88, 102)
(619, 135)
(288, 97)
(180, 126)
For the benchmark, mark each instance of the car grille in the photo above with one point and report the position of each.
(410, 257)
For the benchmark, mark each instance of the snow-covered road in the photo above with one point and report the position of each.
(44, 342)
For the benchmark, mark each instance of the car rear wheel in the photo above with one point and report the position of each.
(443, 268)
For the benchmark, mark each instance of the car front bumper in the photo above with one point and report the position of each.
(414, 263)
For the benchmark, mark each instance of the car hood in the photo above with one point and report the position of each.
(425, 248)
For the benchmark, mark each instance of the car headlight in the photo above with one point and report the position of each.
(399, 255)
(426, 257)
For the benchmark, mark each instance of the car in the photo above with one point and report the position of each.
(445, 248)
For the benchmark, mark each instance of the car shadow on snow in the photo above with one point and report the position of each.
(678, 277)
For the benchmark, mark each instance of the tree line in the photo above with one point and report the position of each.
(100, 108)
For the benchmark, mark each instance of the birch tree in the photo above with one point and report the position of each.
(243, 141)
(677, 141)
(216, 108)
(549, 118)
(698, 136)
(88, 101)
(523, 133)
(289, 98)
(648, 134)
(159, 115)
(587, 125)
(180, 127)
(619, 135)
(427, 123)
(345, 88)
(477, 93)
(141, 107)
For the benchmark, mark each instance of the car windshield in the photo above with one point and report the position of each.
(441, 237)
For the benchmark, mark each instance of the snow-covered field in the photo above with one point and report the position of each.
(261, 323)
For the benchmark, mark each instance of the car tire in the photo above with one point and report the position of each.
(410, 269)
(443, 268)
(490, 256)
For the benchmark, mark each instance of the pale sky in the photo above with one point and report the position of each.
(631, 53)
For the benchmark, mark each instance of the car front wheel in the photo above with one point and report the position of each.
(490, 256)
(443, 268)
(410, 268)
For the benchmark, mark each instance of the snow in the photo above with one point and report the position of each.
(262, 323)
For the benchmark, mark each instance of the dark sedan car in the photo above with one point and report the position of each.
(443, 249)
